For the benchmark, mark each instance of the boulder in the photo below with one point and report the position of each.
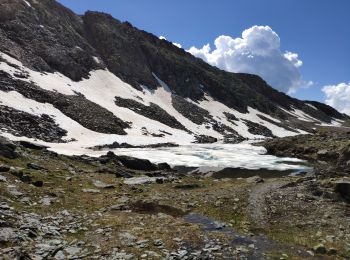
(7, 148)
(120, 174)
(21, 175)
(326, 155)
(164, 166)
(140, 180)
(320, 249)
(344, 158)
(18, 172)
(343, 189)
(137, 164)
(4, 168)
(38, 184)
(35, 166)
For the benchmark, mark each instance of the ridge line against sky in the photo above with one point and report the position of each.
(307, 42)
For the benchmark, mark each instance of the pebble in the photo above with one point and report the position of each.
(102, 185)
(91, 191)
(46, 201)
(158, 242)
(3, 178)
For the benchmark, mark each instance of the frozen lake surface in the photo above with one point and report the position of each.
(243, 155)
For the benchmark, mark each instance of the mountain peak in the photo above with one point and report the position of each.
(113, 79)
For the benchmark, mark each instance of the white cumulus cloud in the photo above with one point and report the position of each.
(338, 96)
(259, 52)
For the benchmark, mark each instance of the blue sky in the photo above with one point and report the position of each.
(317, 30)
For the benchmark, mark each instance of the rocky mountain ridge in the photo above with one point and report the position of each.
(115, 80)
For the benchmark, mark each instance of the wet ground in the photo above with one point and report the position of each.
(219, 173)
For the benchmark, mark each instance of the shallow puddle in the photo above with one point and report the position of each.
(154, 208)
(262, 244)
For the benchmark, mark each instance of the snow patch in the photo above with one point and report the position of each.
(217, 110)
(96, 59)
(313, 107)
(300, 115)
(27, 3)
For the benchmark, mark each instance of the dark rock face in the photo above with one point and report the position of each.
(194, 113)
(257, 129)
(233, 139)
(24, 124)
(225, 130)
(116, 145)
(204, 139)
(46, 37)
(152, 111)
(7, 148)
(200, 116)
(328, 110)
(277, 124)
(231, 118)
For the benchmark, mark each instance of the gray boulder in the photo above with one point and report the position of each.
(343, 189)
(7, 148)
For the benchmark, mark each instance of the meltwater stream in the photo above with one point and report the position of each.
(219, 156)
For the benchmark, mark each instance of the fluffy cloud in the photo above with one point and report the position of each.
(174, 43)
(338, 96)
(257, 52)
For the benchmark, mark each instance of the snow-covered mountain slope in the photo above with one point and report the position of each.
(72, 83)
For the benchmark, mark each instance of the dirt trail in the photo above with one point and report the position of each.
(256, 201)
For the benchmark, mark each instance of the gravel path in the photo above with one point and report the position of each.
(257, 203)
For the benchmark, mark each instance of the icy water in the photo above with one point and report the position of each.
(219, 156)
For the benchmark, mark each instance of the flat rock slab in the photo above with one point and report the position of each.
(142, 180)
(102, 185)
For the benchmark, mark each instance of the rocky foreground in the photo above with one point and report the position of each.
(117, 207)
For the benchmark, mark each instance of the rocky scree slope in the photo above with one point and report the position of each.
(327, 149)
(96, 80)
